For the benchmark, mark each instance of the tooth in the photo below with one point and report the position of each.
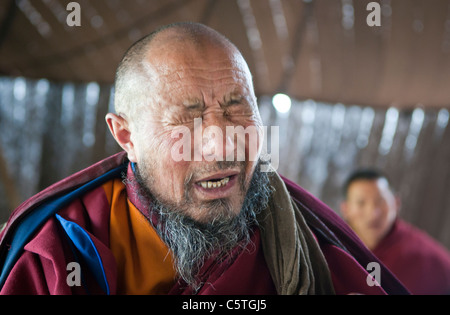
(215, 184)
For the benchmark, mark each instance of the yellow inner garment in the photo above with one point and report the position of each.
(144, 262)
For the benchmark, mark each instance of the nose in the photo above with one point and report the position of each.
(216, 145)
(211, 139)
(375, 211)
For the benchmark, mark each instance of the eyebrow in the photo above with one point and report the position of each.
(232, 97)
(229, 99)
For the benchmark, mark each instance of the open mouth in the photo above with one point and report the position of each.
(218, 182)
(374, 225)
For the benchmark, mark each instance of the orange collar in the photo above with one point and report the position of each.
(144, 262)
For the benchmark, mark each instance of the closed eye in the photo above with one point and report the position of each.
(195, 107)
(234, 102)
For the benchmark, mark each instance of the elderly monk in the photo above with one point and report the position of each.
(371, 209)
(146, 221)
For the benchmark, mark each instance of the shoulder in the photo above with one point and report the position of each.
(61, 190)
(423, 243)
(80, 198)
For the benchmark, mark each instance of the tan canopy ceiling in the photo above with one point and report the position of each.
(320, 49)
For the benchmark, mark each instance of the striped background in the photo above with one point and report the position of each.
(50, 130)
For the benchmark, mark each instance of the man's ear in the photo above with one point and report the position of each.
(120, 130)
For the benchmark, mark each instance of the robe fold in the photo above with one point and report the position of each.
(90, 218)
(418, 261)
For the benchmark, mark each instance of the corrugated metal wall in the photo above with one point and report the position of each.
(50, 130)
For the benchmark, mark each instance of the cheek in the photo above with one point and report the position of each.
(252, 139)
(152, 142)
(171, 174)
(255, 142)
(171, 178)
(356, 215)
(154, 150)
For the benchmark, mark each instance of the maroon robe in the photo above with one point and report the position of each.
(41, 268)
(417, 260)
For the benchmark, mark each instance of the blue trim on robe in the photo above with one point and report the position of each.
(86, 248)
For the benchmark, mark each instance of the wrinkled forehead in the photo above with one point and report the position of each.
(172, 55)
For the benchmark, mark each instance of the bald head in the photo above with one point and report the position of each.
(158, 53)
